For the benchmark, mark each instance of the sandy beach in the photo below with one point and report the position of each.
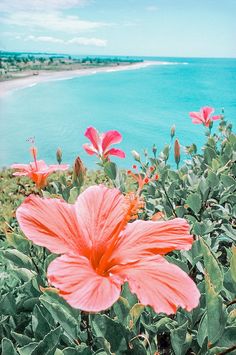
(9, 86)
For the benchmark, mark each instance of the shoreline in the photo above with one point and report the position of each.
(9, 86)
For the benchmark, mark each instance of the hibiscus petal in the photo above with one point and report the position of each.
(81, 286)
(206, 112)
(51, 223)
(196, 115)
(109, 138)
(41, 165)
(118, 152)
(58, 167)
(143, 238)
(92, 134)
(89, 149)
(21, 173)
(99, 212)
(197, 121)
(214, 118)
(24, 167)
(161, 285)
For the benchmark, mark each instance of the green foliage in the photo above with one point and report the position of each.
(34, 319)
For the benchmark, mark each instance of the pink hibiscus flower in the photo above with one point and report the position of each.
(101, 142)
(101, 251)
(204, 116)
(37, 171)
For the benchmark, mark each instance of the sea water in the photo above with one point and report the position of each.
(142, 104)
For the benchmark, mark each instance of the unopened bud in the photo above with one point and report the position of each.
(59, 155)
(177, 152)
(154, 150)
(79, 171)
(145, 152)
(172, 131)
(136, 155)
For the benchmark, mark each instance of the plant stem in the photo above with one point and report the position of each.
(170, 203)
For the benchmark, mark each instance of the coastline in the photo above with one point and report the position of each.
(10, 86)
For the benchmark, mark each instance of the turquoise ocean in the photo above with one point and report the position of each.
(142, 104)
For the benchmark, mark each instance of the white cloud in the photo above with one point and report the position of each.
(82, 41)
(88, 41)
(152, 8)
(29, 5)
(53, 21)
(44, 39)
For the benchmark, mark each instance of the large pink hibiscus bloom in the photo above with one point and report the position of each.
(100, 250)
(204, 116)
(101, 143)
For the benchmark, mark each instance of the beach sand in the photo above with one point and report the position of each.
(9, 86)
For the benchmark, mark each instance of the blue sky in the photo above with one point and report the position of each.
(191, 28)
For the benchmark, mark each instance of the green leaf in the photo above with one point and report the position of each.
(48, 345)
(27, 349)
(8, 347)
(8, 304)
(21, 339)
(160, 326)
(212, 180)
(110, 170)
(62, 313)
(114, 332)
(202, 330)
(40, 325)
(121, 309)
(83, 349)
(233, 264)
(179, 340)
(216, 313)
(19, 242)
(209, 155)
(199, 228)
(228, 180)
(212, 267)
(18, 258)
(194, 202)
(131, 297)
(135, 314)
(228, 338)
(74, 193)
